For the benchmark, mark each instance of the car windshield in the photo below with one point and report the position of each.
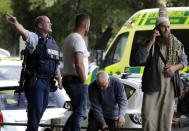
(10, 72)
(9, 100)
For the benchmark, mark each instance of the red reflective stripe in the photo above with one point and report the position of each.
(1, 119)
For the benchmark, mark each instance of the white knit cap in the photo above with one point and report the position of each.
(161, 20)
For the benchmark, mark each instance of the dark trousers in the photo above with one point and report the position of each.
(37, 98)
(94, 125)
(78, 94)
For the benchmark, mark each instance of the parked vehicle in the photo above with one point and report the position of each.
(10, 72)
(13, 107)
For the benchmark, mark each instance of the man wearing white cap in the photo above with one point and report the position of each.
(157, 107)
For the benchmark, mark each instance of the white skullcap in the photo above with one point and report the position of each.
(161, 20)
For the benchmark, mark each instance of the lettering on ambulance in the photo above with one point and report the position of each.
(149, 18)
(176, 13)
(153, 15)
(132, 70)
(176, 17)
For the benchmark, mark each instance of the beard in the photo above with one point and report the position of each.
(86, 32)
(164, 39)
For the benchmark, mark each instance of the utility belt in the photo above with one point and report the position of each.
(28, 74)
(42, 76)
(31, 79)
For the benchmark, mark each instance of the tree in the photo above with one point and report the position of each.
(107, 17)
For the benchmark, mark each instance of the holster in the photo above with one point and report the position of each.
(53, 86)
(30, 79)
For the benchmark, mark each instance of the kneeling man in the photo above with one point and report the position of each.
(108, 102)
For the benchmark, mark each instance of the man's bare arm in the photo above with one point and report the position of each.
(79, 65)
(152, 41)
(12, 20)
(59, 78)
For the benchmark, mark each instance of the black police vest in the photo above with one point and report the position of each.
(44, 60)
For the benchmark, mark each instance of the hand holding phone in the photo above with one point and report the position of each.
(157, 31)
(156, 34)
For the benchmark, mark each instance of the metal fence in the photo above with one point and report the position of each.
(58, 127)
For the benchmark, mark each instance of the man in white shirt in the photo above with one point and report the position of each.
(75, 72)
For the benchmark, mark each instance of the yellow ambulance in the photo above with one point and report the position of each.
(119, 57)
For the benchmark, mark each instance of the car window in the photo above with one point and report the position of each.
(12, 101)
(129, 90)
(115, 54)
(10, 72)
(9, 100)
(141, 36)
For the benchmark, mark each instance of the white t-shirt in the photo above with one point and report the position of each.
(72, 44)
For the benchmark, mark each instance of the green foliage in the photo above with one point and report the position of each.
(5, 7)
(105, 14)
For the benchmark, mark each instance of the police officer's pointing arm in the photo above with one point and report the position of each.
(12, 20)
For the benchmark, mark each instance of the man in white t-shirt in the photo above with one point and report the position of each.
(75, 72)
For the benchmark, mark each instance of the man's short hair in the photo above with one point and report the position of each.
(38, 20)
(102, 76)
(81, 19)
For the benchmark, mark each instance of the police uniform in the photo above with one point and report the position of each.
(41, 64)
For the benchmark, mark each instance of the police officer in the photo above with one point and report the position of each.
(41, 66)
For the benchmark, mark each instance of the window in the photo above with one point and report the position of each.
(10, 72)
(115, 53)
(141, 36)
(10, 100)
(129, 91)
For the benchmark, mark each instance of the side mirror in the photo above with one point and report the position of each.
(67, 105)
(99, 56)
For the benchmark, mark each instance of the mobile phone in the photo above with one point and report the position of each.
(157, 28)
